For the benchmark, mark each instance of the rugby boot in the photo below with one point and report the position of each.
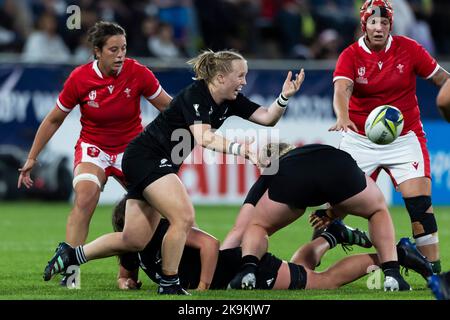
(174, 289)
(410, 258)
(243, 280)
(63, 258)
(338, 233)
(439, 285)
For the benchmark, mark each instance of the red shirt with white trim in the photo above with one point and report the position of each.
(385, 77)
(109, 105)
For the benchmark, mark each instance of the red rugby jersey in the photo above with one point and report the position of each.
(385, 77)
(109, 105)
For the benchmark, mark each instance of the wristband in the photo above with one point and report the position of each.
(282, 100)
(234, 148)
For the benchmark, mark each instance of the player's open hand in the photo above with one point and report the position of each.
(343, 125)
(248, 153)
(290, 87)
(24, 177)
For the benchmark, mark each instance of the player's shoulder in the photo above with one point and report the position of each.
(82, 71)
(351, 50)
(404, 41)
(134, 65)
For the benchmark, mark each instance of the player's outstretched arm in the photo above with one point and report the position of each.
(270, 116)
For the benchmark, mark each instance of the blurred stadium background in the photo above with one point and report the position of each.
(38, 51)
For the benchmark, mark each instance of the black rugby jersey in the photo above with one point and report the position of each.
(194, 104)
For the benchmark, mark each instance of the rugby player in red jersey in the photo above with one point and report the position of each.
(108, 92)
(381, 69)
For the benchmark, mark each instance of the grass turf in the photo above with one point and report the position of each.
(30, 231)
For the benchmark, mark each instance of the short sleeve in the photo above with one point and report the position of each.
(243, 107)
(68, 98)
(344, 66)
(151, 87)
(425, 65)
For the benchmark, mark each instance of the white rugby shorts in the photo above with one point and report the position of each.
(110, 163)
(405, 158)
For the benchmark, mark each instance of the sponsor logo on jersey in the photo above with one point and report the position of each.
(415, 165)
(269, 281)
(110, 88)
(224, 115)
(210, 111)
(380, 64)
(400, 67)
(127, 92)
(164, 163)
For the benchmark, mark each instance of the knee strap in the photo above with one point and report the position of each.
(423, 223)
(86, 177)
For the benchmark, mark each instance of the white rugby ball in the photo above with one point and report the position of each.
(384, 124)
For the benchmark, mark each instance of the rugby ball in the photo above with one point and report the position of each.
(384, 124)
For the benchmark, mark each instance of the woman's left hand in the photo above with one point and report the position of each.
(290, 87)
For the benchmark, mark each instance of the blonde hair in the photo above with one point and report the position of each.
(209, 63)
(275, 150)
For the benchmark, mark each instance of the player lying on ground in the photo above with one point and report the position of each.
(310, 176)
(272, 273)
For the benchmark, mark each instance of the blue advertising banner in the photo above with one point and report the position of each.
(28, 93)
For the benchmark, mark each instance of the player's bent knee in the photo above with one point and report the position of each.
(86, 177)
(423, 223)
(133, 243)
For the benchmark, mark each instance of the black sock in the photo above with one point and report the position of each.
(331, 239)
(167, 281)
(436, 266)
(391, 268)
(250, 263)
(79, 255)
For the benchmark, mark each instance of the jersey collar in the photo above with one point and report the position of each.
(363, 45)
(99, 73)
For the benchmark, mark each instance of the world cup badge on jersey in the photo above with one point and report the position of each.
(92, 96)
(361, 79)
(93, 152)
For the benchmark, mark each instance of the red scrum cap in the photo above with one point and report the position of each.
(382, 8)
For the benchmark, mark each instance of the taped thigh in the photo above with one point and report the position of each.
(86, 177)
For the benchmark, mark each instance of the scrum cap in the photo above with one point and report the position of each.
(382, 8)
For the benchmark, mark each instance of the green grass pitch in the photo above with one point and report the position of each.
(30, 232)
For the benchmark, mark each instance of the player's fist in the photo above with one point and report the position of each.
(129, 284)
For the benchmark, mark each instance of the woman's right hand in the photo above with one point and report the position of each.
(24, 177)
(249, 154)
(343, 124)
